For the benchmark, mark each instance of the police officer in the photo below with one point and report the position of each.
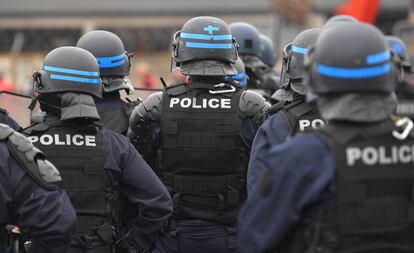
(291, 114)
(269, 59)
(347, 186)
(114, 66)
(6, 119)
(30, 197)
(99, 167)
(250, 52)
(405, 88)
(197, 135)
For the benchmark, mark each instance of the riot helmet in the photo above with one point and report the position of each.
(248, 38)
(339, 19)
(267, 51)
(240, 77)
(68, 80)
(205, 47)
(351, 58)
(293, 70)
(114, 61)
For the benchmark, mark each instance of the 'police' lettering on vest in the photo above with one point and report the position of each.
(66, 140)
(305, 123)
(213, 103)
(380, 155)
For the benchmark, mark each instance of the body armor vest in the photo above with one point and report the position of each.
(374, 207)
(3, 114)
(77, 150)
(299, 115)
(405, 106)
(118, 120)
(203, 161)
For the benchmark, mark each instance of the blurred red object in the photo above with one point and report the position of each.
(6, 85)
(363, 10)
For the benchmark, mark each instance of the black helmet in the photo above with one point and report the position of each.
(241, 76)
(248, 38)
(114, 62)
(205, 47)
(267, 51)
(293, 70)
(69, 69)
(339, 19)
(351, 58)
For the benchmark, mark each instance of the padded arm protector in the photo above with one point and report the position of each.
(31, 159)
(141, 124)
(253, 105)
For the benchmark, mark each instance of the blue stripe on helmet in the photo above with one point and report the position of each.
(398, 48)
(238, 76)
(243, 83)
(206, 36)
(299, 50)
(208, 45)
(74, 79)
(111, 61)
(354, 73)
(378, 57)
(70, 71)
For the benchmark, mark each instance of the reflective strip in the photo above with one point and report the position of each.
(354, 73)
(206, 36)
(378, 57)
(74, 79)
(208, 45)
(239, 76)
(299, 50)
(70, 71)
(112, 61)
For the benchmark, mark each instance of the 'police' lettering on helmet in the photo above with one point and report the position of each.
(380, 155)
(213, 103)
(315, 123)
(67, 140)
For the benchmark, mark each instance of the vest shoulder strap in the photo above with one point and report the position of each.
(175, 89)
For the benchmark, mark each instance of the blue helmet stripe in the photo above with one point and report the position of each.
(70, 71)
(378, 57)
(74, 79)
(299, 50)
(354, 73)
(111, 61)
(206, 36)
(398, 48)
(238, 76)
(208, 45)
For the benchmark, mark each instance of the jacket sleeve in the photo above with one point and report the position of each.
(144, 190)
(47, 215)
(298, 174)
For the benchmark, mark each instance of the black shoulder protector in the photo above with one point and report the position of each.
(31, 159)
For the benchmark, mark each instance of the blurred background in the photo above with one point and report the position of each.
(31, 28)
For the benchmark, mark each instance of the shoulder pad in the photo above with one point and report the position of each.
(37, 128)
(152, 106)
(252, 103)
(175, 89)
(33, 161)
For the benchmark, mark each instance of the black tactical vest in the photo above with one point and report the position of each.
(3, 114)
(77, 150)
(374, 207)
(118, 120)
(202, 158)
(405, 106)
(299, 115)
